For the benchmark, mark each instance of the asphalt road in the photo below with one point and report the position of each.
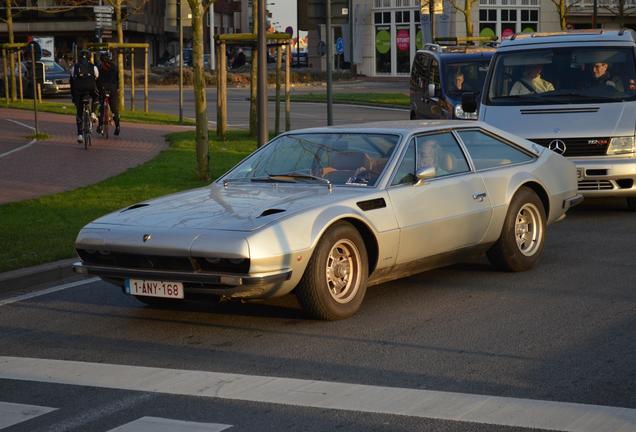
(563, 332)
(303, 115)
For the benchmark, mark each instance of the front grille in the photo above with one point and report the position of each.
(588, 185)
(579, 146)
(165, 263)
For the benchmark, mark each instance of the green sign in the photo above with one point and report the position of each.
(419, 40)
(487, 32)
(383, 41)
(528, 30)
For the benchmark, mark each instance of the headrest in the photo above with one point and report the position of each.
(350, 160)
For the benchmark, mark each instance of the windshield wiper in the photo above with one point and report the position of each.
(292, 176)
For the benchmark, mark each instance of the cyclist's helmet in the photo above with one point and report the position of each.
(105, 56)
(84, 54)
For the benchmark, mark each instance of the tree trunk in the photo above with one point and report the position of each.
(120, 54)
(254, 73)
(14, 95)
(562, 14)
(200, 104)
(468, 17)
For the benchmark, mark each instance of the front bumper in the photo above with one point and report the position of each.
(606, 177)
(222, 284)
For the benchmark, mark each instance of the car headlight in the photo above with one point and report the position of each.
(621, 145)
(460, 114)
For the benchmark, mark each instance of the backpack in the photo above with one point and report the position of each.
(83, 71)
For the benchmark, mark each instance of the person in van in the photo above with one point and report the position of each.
(531, 82)
(601, 78)
(459, 82)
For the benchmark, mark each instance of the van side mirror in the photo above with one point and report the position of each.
(430, 91)
(469, 102)
(425, 173)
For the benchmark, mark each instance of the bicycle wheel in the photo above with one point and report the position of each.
(107, 118)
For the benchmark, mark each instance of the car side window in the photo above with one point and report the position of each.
(406, 171)
(434, 75)
(441, 151)
(490, 152)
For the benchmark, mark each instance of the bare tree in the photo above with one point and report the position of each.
(563, 8)
(198, 8)
(620, 9)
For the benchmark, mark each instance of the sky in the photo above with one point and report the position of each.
(283, 11)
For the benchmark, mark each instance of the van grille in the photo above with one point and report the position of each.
(588, 185)
(579, 146)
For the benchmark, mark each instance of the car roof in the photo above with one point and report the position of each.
(469, 54)
(402, 127)
(590, 35)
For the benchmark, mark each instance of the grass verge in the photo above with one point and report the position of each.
(69, 108)
(373, 99)
(42, 230)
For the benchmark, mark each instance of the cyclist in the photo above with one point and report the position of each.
(108, 82)
(83, 81)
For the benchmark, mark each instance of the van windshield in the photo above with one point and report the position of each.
(563, 76)
(465, 76)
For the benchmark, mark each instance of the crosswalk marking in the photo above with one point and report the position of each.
(464, 407)
(157, 424)
(13, 413)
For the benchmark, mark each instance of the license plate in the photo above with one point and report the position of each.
(64, 86)
(579, 173)
(154, 288)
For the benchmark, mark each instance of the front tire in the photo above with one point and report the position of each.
(522, 239)
(335, 281)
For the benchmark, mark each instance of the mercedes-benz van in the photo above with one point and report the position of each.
(574, 93)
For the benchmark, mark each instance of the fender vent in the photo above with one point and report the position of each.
(271, 212)
(135, 206)
(372, 204)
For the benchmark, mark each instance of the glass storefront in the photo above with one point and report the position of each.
(397, 37)
(504, 22)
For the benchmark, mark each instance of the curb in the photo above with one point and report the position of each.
(29, 276)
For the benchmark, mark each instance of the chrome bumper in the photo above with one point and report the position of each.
(223, 281)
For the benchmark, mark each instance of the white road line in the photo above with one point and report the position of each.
(18, 149)
(46, 291)
(157, 424)
(464, 407)
(11, 413)
(21, 124)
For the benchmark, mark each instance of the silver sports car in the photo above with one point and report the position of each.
(326, 212)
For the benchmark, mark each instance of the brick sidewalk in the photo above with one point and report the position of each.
(59, 164)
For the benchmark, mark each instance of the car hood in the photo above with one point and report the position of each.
(239, 207)
(562, 121)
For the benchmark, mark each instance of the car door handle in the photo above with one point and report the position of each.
(479, 196)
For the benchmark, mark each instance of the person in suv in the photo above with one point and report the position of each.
(439, 77)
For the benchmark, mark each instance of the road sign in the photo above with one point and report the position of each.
(340, 46)
(103, 9)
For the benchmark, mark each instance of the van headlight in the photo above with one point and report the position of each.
(621, 145)
(460, 114)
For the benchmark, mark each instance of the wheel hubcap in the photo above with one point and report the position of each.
(528, 229)
(343, 271)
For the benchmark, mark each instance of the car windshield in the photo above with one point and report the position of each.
(563, 75)
(52, 67)
(356, 159)
(468, 76)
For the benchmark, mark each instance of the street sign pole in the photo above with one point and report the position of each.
(180, 24)
(329, 60)
(261, 82)
(34, 87)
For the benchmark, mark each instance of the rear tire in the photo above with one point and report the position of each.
(335, 281)
(631, 204)
(520, 245)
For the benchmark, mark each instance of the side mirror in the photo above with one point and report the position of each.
(425, 173)
(469, 102)
(430, 91)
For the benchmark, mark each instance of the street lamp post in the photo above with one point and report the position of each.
(180, 24)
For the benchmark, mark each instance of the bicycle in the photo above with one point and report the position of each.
(87, 124)
(107, 115)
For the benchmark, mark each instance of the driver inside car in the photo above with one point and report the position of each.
(531, 82)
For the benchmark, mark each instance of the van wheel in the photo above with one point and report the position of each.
(335, 281)
(520, 245)
(631, 204)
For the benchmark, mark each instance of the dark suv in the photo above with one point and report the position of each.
(439, 77)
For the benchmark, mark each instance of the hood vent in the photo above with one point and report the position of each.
(271, 212)
(135, 206)
(559, 110)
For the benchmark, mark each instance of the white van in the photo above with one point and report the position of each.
(574, 93)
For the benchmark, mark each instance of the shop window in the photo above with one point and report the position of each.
(383, 49)
(403, 48)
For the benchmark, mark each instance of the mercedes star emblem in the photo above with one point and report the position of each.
(557, 146)
(147, 237)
